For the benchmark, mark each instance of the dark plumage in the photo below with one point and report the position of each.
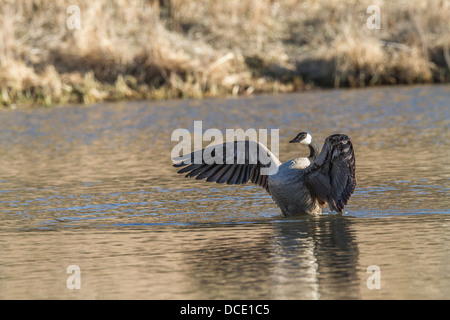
(299, 186)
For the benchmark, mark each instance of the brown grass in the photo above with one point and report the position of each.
(196, 48)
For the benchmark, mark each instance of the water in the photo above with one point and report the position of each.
(95, 187)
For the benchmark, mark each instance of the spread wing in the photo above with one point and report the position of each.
(232, 162)
(332, 175)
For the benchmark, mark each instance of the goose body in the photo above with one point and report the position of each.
(299, 186)
(289, 191)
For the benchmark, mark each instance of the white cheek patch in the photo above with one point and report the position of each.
(307, 139)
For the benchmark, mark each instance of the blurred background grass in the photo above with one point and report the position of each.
(147, 49)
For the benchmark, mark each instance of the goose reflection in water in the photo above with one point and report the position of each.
(305, 257)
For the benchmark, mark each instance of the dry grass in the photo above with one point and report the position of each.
(196, 48)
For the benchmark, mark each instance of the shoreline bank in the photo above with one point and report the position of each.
(170, 49)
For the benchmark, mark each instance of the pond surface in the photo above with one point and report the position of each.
(94, 187)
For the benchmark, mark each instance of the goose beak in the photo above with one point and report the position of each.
(293, 140)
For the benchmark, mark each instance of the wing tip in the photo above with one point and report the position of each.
(179, 164)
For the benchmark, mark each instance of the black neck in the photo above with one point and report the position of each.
(313, 150)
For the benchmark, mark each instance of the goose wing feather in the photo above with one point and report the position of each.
(235, 166)
(332, 175)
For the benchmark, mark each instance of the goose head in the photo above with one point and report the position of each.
(302, 138)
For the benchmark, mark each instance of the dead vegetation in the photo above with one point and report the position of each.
(196, 48)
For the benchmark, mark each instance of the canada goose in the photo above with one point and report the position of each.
(300, 186)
